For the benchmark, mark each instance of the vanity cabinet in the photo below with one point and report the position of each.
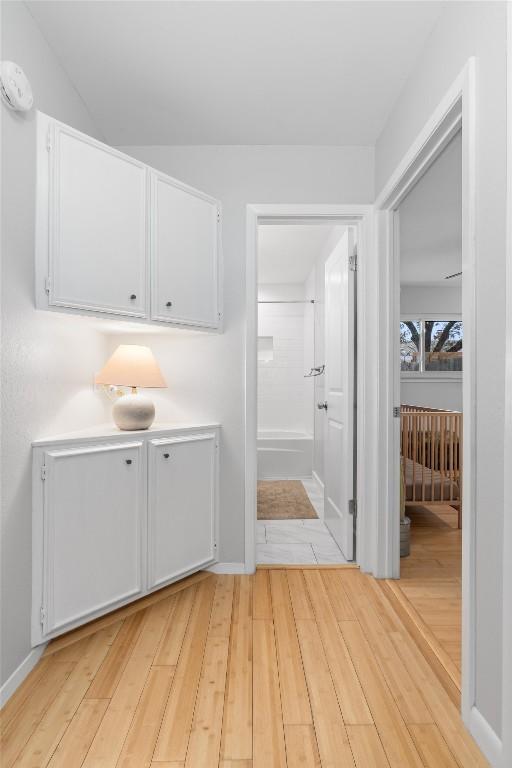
(118, 515)
(116, 238)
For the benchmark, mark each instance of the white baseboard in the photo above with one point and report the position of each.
(485, 737)
(19, 674)
(227, 568)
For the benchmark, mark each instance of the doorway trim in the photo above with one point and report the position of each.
(506, 728)
(456, 111)
(360, 216)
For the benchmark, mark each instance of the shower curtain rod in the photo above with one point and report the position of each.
(289, 301)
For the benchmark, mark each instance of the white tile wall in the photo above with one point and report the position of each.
(282, 403)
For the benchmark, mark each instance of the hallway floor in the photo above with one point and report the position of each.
(298, 542)
(283, 669)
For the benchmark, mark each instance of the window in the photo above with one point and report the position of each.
(410, 345)
(431, 345)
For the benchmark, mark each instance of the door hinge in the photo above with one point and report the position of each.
(43, 472)
(49, 141)
(352, 508)
(42, 615)
(47, 284)
(352, 262)
(218, 215)
(396, 411)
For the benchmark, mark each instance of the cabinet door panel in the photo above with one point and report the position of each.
(93, 531)
(97, 226)
(184, 255)
(182, 488)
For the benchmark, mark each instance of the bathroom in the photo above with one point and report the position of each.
(291, 394)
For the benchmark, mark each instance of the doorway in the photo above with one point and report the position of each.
(454, 114)
(305, 382)
(429, 221)
(284, 451)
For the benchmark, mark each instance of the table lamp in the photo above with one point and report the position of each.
(132, 366)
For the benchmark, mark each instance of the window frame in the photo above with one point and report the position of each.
(423, 375)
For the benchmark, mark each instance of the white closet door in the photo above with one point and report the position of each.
(184, 250)
(182, 504)
(94, 531)
(98, 237)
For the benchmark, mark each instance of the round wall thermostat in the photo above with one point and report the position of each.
(15, 87)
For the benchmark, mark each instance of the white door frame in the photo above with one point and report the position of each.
(506, 728)
(456, 111)
(360, 216)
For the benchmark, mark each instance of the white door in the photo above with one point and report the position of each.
(93, 531)
(97, 220)
(339, 389)
(184, 254)
(182, 505)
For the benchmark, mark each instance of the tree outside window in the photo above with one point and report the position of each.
(431, 345)
(410, 345)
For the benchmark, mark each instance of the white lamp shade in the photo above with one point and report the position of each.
(132, 365)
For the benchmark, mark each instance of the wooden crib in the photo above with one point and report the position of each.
(431, 448)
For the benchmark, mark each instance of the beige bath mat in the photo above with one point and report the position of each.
(283, 500)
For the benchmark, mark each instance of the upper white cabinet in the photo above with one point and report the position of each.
(116, 238)
(184, 254)
(97, 226)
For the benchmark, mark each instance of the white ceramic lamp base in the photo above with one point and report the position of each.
(133, 411)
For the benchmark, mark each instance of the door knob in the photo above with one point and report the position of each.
(133, 296)
(322, 406)
(169, 304)
(128, 461)
(166, 455)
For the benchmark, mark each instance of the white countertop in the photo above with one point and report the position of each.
(110, 430)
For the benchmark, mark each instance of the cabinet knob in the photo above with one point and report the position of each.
(166, 455)
(169, 304)
(133, 296)
(128, 461)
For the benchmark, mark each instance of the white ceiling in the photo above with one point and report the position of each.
(431, 223)
(319, 73)
(287, 252)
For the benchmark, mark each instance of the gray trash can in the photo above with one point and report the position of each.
(405, 537)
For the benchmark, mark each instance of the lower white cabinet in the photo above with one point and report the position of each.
(181, 505)
(117, 515)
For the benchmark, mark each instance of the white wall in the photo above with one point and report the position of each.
(281, 383)
(207, 372)
(463, 30)
(48, 361)
(428, 299)
(308, 388)
(422, 390)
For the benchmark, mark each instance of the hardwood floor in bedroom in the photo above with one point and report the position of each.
(285, 668)
(429, 591)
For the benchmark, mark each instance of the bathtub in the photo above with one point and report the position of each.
(283, 454)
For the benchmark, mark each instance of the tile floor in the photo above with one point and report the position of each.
(301, 542)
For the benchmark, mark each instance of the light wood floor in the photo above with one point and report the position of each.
(292, 668)
(429, 588)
